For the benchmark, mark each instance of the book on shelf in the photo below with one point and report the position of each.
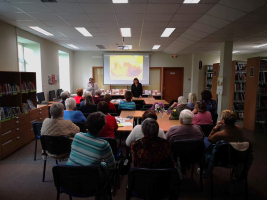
(263, 77)
(262, 101)
(27, 86)
(240, 66)
(9, 89)
(239, 97)
(262, 89)
(7, 113)
(240, 86)
(240, 76)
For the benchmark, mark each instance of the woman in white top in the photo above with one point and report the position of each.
(92, 86)
(137, 133)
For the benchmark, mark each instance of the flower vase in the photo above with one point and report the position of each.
(158, 114)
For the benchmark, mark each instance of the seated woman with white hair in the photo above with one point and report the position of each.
(181, 102)
(71, 114)
(186, 131)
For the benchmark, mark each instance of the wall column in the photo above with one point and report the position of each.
(194, 75)
(225, 72)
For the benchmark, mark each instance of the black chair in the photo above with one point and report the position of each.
(79, 181)
(189, 152)
(114, 114)
(228, 157)
(206, 129)
(147, 106)
(139, 104)
(36, 126)
(214, 118)
(153, 184)
(58, 146)
(86, 115)
(81, 126)
(173, 102)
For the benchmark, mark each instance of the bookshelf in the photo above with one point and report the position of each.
(255, 107)
(215, 73)
(237, 89)
(208, 77)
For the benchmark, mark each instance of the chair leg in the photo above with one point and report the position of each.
(192, 172)
(211, 186)
(56, 162)
(109, 191)
(70, 197)
(246, 188)
(58, 195)
(201, 177)
(115, 182)
(35, 149)
(44, 170)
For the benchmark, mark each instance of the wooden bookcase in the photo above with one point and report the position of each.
(17, 131)
(255, 106)
(208, 77)
(237, 89)
(215, 73)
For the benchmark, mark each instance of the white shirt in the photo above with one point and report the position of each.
(91, 88)
(137, 134)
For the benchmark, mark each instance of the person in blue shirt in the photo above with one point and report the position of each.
(127, 104)
(71, 114)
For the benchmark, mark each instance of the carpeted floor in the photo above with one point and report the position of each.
(21, 177)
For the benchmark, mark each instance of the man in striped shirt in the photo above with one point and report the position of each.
(88, 150)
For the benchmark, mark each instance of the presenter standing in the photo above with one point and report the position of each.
(137, 88)
(92, 86)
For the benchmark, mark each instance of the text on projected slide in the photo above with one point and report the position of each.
(126, 67)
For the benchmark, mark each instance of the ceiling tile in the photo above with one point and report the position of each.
(190, 37)
(57, 23)
(32, 23)
(155, 24)
(209, 1)
(162, 8)
(32, 7)
(130, 8)
(6, 7)
(213, 21)
(130, 24)
(184, 40)
(186, 17)
(225, 13)
(65, 7)
(130, 17)
(203, 27)
(74, 17)
(196, 33)
(180, 24)
(166, 1)
(102, 17)
(106, 24)
(17, 16)
(97, 8)
(244, 5)
(158, 17)
(194, 8)
(81, 23)
(45, 16)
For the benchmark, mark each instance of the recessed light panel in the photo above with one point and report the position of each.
(262, 45)
(156, 46)
(129, 46)
(167, 32)
(38, 29)
(73, 46)
(120, 1)
(83, 31)
(191, 1)
(126, 32)
(236, 51)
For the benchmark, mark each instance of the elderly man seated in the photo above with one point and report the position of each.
(186, 131)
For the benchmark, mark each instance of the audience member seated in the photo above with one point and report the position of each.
(88, 105)
(107, 98)
(79, 96)
(57, 126)
(211, 104)
(111, 123)
(97, 97)
(88, 150)
(64, 96)
(85, 94)
(151, 151)
(71, 114)
(137, 133)
(181, 102)
(127, 104)
(192, 98)
(226, 129)
(203, 116)
(186, 131)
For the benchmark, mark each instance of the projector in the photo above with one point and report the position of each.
(123, 48)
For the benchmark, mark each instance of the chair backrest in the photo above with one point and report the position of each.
(79, 181)
(188, 151)
(86, 115)
(56, 145)
(81, 126)
(214, 118)
(206, 129)
(37, 126)
(113, 144)
(114, 114)
(153, 183)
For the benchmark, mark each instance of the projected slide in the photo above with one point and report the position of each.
(126, 67)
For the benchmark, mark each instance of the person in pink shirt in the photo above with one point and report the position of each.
(202, 116)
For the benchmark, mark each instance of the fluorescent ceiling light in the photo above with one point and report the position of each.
(191, 1)
(262, 45)
(129, 46)
(38, 29)
(71, 45)
(126, 32)
(167, 32)
(83, 31)
(120, 1)
(236, 51)
(156, 47)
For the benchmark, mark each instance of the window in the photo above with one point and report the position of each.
(64, 71)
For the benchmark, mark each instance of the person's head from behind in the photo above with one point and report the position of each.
(186, 117)
(192, 98)
(107, 98)
(57, 110)
(98, 93)
(182, 100)
(103, 107)
(136, 81)
(149, 114)
(150, 128)
(228, 117)
(89, 100)
(79, 92)
(206, 95)
(70, 104)
(87, 93)
(95, 122)
(65, 95)
(128, 96)
(201, 106)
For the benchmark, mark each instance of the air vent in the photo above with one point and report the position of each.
(50, 1)
(101, 47)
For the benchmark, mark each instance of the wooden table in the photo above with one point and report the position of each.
(164, 123)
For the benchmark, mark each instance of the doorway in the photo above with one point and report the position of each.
(173, 80)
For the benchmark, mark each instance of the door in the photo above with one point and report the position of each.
(173, 79)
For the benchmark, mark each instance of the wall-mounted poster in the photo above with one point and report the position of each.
(52, 79)
(49, 79)
(220, 85)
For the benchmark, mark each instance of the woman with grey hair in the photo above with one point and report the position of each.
(186, 131)
(71, 114)
(57, 126)
(85, 94)
(64, 96)
(97, 98)
(151, 151)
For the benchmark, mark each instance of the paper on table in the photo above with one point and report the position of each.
(127, 124)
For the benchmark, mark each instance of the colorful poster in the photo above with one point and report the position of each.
(220, 85)
(53, 79)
